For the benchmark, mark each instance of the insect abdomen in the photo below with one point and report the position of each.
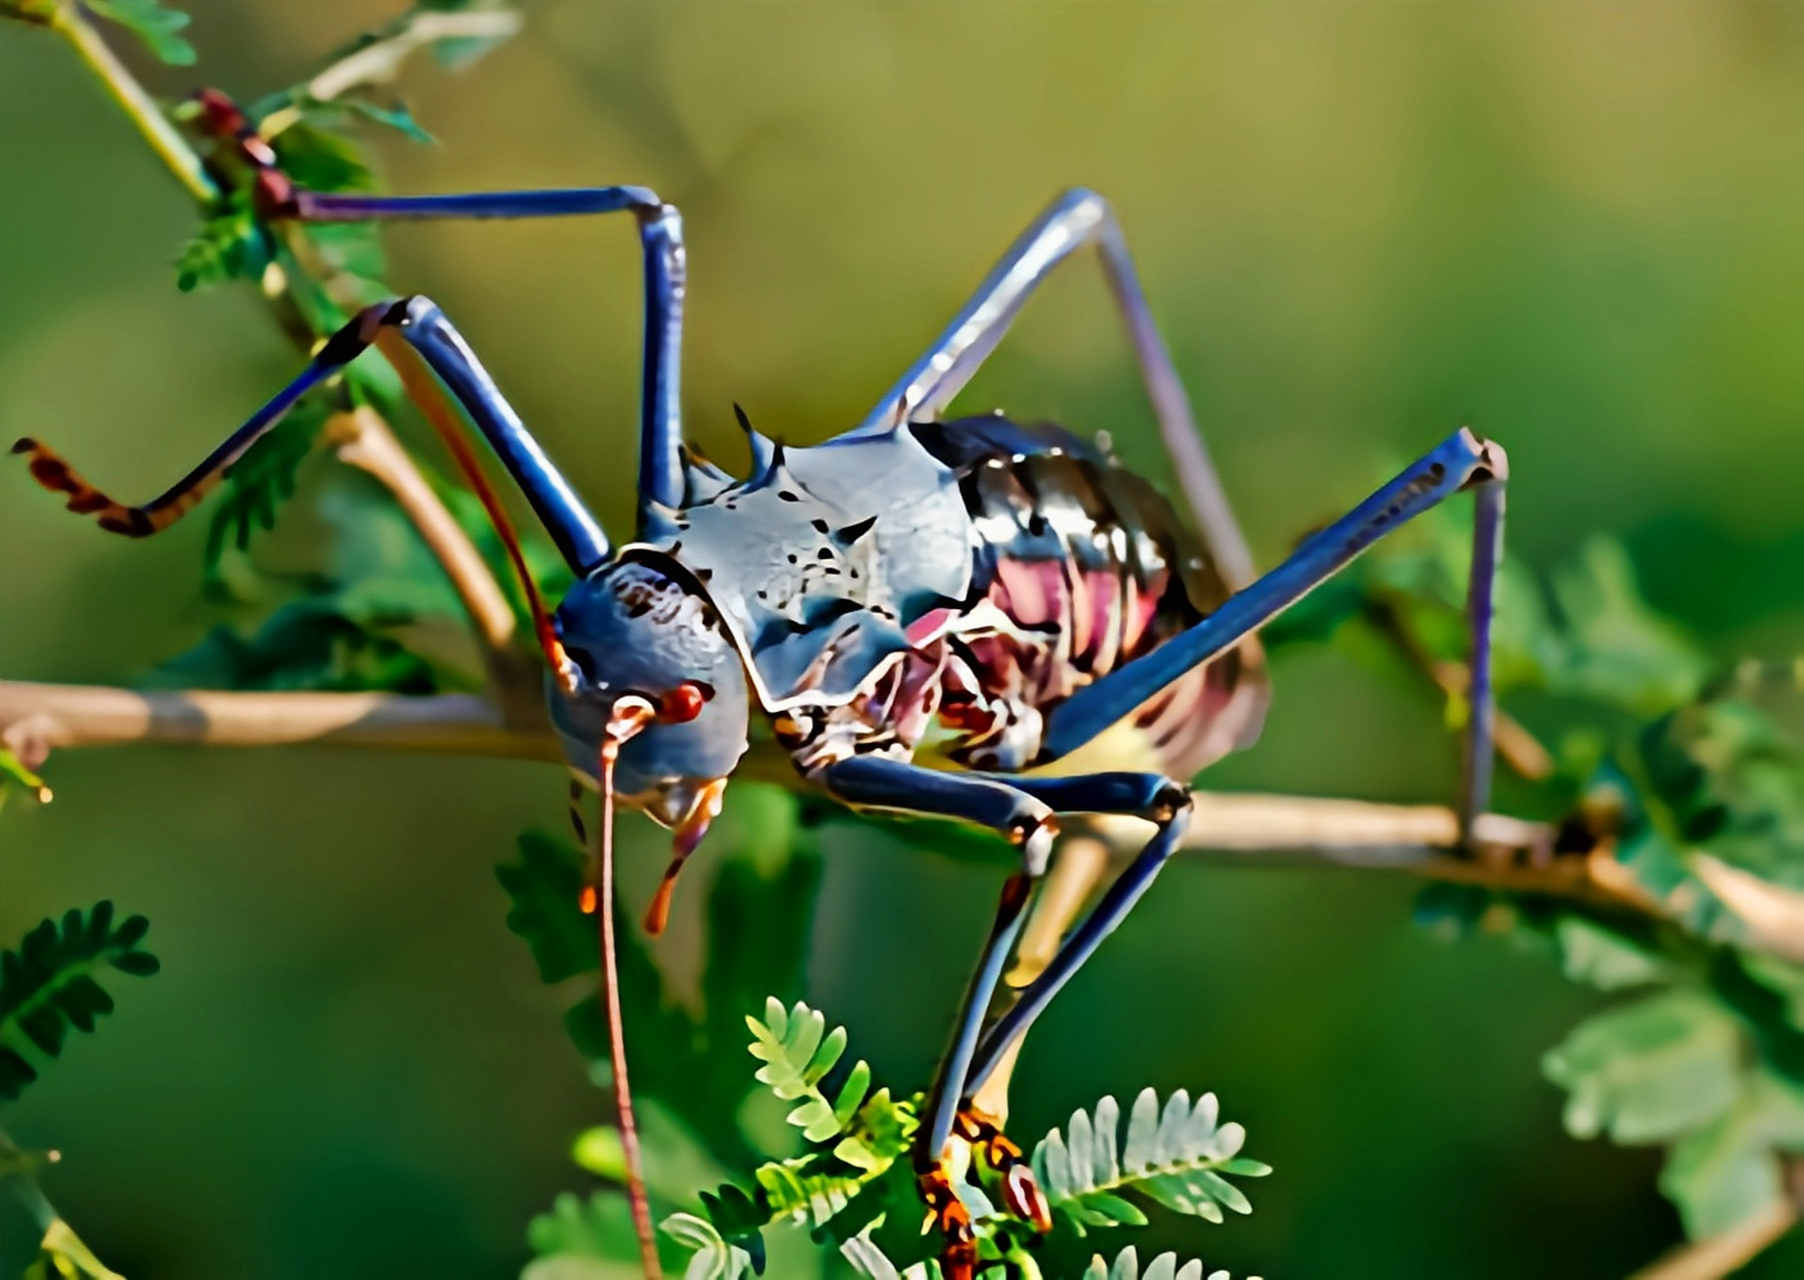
(1091, 568)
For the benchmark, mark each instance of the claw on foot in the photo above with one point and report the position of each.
(1021, 1194)
(958, 1259)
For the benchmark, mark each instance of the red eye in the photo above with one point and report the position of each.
(682, 704)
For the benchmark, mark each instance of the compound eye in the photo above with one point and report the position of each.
(683, 703)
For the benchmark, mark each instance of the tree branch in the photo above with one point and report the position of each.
(38, 718)
(1514, 856)
(362, 436)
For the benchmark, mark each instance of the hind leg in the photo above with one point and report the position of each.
(1077, 219)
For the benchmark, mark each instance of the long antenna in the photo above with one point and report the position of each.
(629, 715)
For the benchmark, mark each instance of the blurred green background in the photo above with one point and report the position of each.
(1578, 227)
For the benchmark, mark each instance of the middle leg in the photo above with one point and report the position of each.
(1022, 808)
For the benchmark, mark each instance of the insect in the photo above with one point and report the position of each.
(965, 618)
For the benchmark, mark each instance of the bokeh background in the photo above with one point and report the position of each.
(1578, 227)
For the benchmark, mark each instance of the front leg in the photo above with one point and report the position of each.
(876, 782)
(1023, 809)
(279, 199)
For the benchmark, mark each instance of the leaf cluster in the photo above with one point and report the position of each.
(1661, 767)
(314, 276)
(1180, 1156)
(853, 1186)
(685, 1059)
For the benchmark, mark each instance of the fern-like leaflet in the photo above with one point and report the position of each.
(1164, 1267)
(870, 1262)
(1177, 1156)
(48, 985)
(714, 1257)
(857, 1134)
(798, 1052)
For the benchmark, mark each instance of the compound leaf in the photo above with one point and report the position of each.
(49, 985)
(1179, 1156)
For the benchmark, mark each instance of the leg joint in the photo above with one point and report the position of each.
(1173, 799)
(1033, 831)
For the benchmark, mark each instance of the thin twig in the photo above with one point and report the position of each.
(56, 1236)
(1773, 914)
(378, 59)
(363, 439)
(1513, 855)
(1518, 748)
(164, 138)
(1721, 1255)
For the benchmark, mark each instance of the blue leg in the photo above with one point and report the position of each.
(1075, 220)
(874, 782)
(1481, 701)
(1020, 808)
(422, 328)
(1104, 918)
(660, 230)
(1461, 461)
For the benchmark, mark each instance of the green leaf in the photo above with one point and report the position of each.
(309, 644)
(600, 1150)
(584, 1239)
(397, 117)
(365, 625)
(1784, 980)
(1729, 1170)
(545, 886)
(153, 22)
(1649, 1071)
(321, 160)
(14, 775)
(798, 1052)
(805, 1193)
(1163, 1267)
(869, 1260)
(1605, 959)
(1620, 651)
(230, 245)
(262, 480)
(1175, 1155)
(48, 985)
